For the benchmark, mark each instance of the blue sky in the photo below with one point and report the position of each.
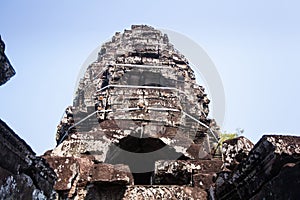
(255, 46)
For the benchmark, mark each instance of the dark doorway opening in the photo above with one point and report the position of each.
(140, 155)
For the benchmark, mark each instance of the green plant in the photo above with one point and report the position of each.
(226, 136)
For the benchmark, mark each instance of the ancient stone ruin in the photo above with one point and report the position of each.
(137, 110)
(139, 129)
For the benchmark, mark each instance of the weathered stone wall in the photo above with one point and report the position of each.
(142, 86)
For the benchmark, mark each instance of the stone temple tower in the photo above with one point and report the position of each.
(138, 115)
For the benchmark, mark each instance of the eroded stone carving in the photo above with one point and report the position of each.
(137, 104)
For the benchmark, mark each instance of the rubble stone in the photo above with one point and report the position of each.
(23, 174)
(269, 159)
(235, 150)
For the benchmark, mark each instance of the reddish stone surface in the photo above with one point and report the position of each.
(204, 180)
(75, 175)
(67, 169)
(114, 174)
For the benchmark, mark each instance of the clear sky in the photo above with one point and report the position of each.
(255, 46)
